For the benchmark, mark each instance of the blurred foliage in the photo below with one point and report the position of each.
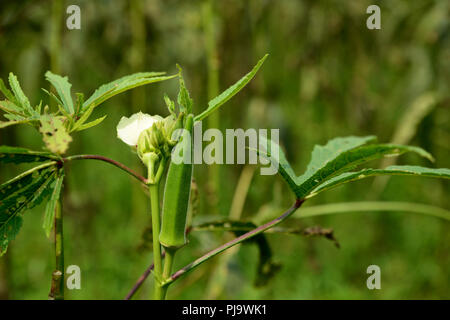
(327, 76)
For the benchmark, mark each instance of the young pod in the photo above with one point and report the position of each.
(177, 191)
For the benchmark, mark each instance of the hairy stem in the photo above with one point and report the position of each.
(57, 288)
(111, 161)
(234, 242)
(170, 256)
(212, 253)
(141, 280)
(157, 258)
(248, 235)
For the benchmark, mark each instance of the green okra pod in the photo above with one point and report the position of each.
(177, 191)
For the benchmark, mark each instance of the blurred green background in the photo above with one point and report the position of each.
(327, 75)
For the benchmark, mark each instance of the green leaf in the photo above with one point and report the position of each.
(21, 155)
(19, 194)
(324, 155)
(323, 167)
(392, 170)
(215, 103)
(20, 97)
(86, 114)
(4, 124)
(79, 103)
(12, 108)
(271, 150)
(55, 134)
(115, 87)
(8, 94)
(49, 215)
(59, 103)
(91, 124)
(184, 99)
(321, 156)
(13, 117)
(38, 108)
(16, 111)
(62, 86)
(337, 156)
(169, 103)
(14, 114)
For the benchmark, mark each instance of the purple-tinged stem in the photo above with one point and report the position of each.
(111, 161)
(141, 280)
(234, 242)
(216, 251)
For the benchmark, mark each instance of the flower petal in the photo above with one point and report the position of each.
(129, 129)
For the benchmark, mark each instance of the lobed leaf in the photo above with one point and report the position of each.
(322, 155)
(20, 155)
(346, 161)
(20, 98)
(13, 117)
(273, 152)
(215, 103)
(8, 94)
(62, 86)
(80, 122)
(19, 194)
(391, 170)
(91, 123)
(337, 156)
(11, 108)
(184, 99)
(49, 215)
(4, 124)
(170, 104)
(15, 114)
(115, 87)
(79, 102)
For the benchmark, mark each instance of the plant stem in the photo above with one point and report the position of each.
(170, 256)
(333, 209)
(141, 280)
(154, 179)
(151, 267)
(157, 258)
(111, 161)
(234, 242)
(57, 288)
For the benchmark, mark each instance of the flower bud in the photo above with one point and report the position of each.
(144, 144)
(172, 123)
(157, 139)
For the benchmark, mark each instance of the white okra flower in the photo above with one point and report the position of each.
(129, 129)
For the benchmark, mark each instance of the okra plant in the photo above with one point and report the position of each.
(156, 141)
